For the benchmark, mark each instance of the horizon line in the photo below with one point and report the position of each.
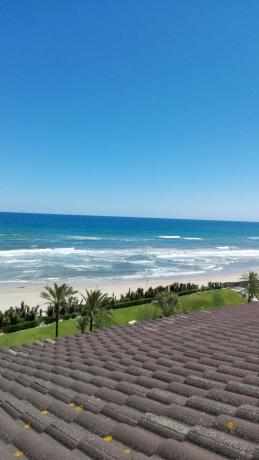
(127, 217)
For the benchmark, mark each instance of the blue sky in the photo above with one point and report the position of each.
(140, 107)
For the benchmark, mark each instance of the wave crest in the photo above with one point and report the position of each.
(169, 237)
(85, 238)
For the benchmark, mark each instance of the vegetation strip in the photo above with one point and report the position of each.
(192, 302)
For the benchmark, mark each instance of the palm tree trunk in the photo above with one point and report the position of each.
(57, 319)
(91, 323)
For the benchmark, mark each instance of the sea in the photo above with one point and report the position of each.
(51, 248)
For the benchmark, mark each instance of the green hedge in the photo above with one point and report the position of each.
(66, 316)
(191, 291)
(131, 303)
(22, 325)
(49, 319)
(52, 319)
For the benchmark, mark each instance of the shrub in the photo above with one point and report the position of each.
(177, 288)
(105, 320)
(21, 325)
(169, 303)
(66, 316)
(148, 312)
(49, 319)
(82, 323)
(217, 299)
(16, 315)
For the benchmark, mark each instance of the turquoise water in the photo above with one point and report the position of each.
(45, 248)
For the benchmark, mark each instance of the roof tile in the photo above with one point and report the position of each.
(164, 426)
(175, 450)
(186, 388)
(137, 438)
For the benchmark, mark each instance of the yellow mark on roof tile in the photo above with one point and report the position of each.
(71, 404)
(18, 453)
(127, 450)
(79, 408)
(26, 426)
(230, 425)
(45, 411)
(107, 438)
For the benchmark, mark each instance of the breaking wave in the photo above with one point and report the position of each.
(35, 264)
(85, 238)
(193, 238)
(220, 251)
(170, 237)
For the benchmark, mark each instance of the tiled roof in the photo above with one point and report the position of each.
(184, 388)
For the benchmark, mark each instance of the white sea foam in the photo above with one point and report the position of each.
(162, 273)
(36, 251)
(29, 271)
(170, 237)
(106, 238)
(206, 253)
(210, 267)
(118, 262)
(253, 237)
(223, 247)
(141, 262)
(221, 251)
(85, 238)
(53, 278)
(193, 238)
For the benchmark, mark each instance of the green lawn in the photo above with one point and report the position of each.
(191, 302)
(210, 299)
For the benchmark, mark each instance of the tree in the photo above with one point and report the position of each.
(169, 303)
(57, 296)
(251, 285)
(96, 307)
(82, 322)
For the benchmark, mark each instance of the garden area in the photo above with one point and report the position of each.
(120, 315)
(72, 304)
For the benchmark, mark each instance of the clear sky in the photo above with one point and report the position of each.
(133, 107)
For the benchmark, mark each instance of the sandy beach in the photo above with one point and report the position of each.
(12, 294)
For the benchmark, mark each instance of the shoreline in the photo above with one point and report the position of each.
(12, 294)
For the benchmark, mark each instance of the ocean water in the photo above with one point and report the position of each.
(46, 248)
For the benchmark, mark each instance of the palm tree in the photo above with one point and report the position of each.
(251, 285)
(95, 306)
(57, 296)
